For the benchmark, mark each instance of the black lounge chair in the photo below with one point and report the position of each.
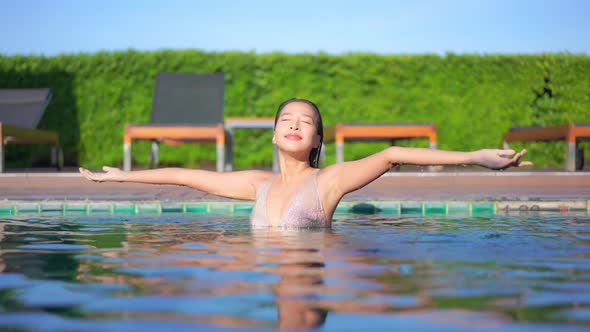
(20, 113)
(187, 107)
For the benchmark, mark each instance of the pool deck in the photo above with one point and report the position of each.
(398, 186)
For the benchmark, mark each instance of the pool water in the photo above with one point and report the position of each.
(369, 272)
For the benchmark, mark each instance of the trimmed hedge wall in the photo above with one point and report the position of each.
(473, 99)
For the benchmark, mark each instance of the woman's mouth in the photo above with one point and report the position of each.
(294, 137)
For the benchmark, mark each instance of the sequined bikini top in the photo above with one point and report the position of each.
(305, 209)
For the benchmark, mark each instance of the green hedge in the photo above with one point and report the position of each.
(473, 99)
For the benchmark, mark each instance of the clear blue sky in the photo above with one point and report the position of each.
(51, 27)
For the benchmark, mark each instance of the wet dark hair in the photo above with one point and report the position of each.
(314, 155)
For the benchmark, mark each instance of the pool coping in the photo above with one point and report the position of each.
(435, 207)
(394, 193)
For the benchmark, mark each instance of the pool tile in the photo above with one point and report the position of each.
(27, 208)
(172, 208)
(100, 208)
(458, 208)
(243, 207)
(51, 207)
(196, 207)
(434, 208)
(148, 208)
(483, 207)
(124, 208)
(222, 207)
(73, 208)
(389, 207)
(364, 208)
(7, 210)
(343, 207)
(411, 208)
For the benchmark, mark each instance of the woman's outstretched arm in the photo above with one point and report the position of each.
(353, 175)
(239, 185)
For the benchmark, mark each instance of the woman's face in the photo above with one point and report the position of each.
(296, 128)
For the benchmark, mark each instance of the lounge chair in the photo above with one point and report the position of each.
(381, 132)
(20, 113)
(186, 107)
(572, 133)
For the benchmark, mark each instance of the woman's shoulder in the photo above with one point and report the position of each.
(256, 177)
(328, 171)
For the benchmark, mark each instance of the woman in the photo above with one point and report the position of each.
(302, 195)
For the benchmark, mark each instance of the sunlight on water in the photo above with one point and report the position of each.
(183, 272)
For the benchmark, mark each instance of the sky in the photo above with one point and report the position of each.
(51, 27)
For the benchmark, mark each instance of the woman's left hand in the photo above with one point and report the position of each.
(499, 159)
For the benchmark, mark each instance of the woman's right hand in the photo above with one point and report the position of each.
(110, 174)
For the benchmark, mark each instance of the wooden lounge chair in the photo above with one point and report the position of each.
(381, 132)
(186, 107)
(572, 133)
(20, 113)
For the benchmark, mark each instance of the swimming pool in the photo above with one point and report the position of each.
(212, 271)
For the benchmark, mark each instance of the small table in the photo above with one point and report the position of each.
(232, 123)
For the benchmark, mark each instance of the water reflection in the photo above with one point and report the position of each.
(423, 273)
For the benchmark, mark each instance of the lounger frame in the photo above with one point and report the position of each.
(380, 132)
(571, 133)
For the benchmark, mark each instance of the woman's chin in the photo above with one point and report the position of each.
(294, 152)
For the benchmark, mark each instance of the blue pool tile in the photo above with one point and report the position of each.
(51, 207)
(343, 207)
(243, 207)
(7, 210)
(124, 208)
(390, 208)
(483, 208)
(411, 208)
(458, 208)
(196, 207)
(364, 208)
(27, 208)
(434, 208)
(172, 208)
(148, 208)
(100, 208)
(222, 207)
(75, 208)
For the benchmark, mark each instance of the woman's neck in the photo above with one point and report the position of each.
(293, 169)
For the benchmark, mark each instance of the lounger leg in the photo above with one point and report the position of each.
(1, 155)
(437, 168)
(55, 157)
(229, 150)
(154, 155)
(126, 157)
(220, 157)
(570, 164)
(339, 152)
(323, 154)
(505, 145)
(276, 167)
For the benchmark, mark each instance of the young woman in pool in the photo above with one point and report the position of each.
(303, 195)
